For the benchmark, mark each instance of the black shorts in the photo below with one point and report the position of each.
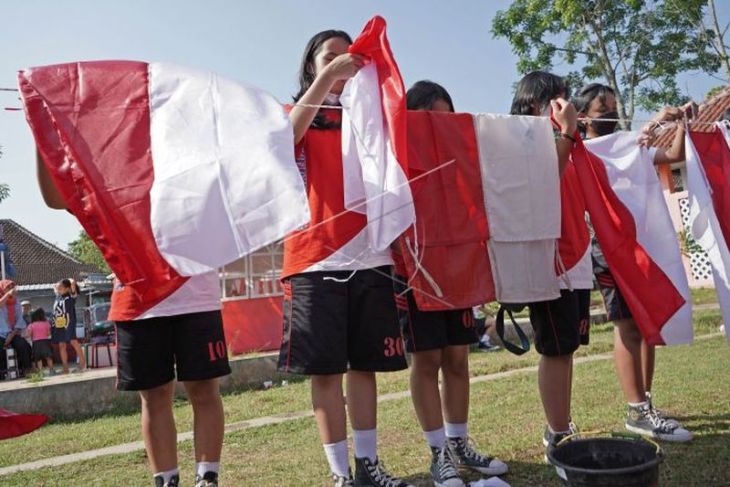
(150, 351)
(42, 350)
(63, 335)
(431, 330)
(562, 324)
(336, 319)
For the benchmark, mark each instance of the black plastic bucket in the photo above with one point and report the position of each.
(607, 462)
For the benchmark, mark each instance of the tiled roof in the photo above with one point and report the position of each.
(38, 261)
(710, 111)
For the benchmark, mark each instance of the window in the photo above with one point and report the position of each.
(255, 275)
(678, 178)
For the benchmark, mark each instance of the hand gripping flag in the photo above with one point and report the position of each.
(172, 172)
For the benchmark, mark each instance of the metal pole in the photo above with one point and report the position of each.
(2, 263)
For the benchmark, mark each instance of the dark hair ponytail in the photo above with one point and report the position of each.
(423, 94)
(307, 74)
(536, 89)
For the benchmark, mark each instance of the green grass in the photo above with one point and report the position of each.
(704, 295)
(506, 420)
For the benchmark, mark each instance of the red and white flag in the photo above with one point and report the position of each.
(172, 172)
(650, 293)
(633, 179)
(374, 145)
(708, 184)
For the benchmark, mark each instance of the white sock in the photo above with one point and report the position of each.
(366, 443)
(168, 474)
(456, 430)
(338, 457)
(201, 468)
(435, 438)
(639, 404)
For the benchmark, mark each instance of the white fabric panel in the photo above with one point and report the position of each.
(523, 272)
(374, 182)
(520, 177)
(580, 276)
(354, 255)
(706, 230)
(226, 182)
(521, 182)
(199, 294)
(634, 180)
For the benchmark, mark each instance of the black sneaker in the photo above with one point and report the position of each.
(210, 479)
(443, 468)
(373, 474)
(466, 456)
(340, 481)
(173, 482)
(645, 421)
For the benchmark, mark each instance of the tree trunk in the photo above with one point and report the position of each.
(719, 41)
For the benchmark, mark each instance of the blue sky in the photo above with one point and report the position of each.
(257, 42)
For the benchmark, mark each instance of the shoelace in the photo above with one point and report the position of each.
(470, 452)
(657, 421)
(378, 473)
(447, 464)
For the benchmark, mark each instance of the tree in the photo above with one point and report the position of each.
(85, 250)
(637, 47)
(714, 36)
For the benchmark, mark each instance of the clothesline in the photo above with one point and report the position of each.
(338, 107)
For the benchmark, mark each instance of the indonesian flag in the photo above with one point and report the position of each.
(15, 424)
(374, 145)
(633, 179)
(650, 293)
(488, 210)
(171, 171)
(708, 160)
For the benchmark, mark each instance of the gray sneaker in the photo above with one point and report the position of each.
(210, 479)
(661, 413)
(645, 421)
(466, 456)
(443, 468)
(173, 482)
(340, 481)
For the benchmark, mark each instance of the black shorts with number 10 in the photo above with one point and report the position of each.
(152, 351)
(337, 320)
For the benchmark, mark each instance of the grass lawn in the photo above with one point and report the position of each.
(506, 421)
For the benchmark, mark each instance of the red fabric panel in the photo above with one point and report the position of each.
(715, 158)
(451, 220)
(373, 43)
(649, 293)
(91, 123)
(253, 325)
(14, 424)
(325, 234)
(574, 237)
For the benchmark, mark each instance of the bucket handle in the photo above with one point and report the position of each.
(659, 451)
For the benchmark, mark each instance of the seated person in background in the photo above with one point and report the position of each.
(11, 326)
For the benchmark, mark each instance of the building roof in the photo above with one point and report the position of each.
(710, 110)
(38, 262)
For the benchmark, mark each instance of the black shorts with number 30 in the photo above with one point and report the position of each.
(151, 351)
(335, 320)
